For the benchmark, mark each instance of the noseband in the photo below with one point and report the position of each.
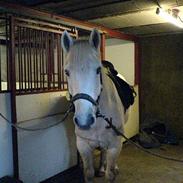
(86, 96)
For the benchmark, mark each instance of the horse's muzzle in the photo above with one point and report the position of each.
(84, 125)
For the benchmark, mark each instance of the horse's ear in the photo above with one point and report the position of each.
(66, 41)
(95, 38)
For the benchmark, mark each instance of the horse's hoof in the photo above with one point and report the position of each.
(99, 173)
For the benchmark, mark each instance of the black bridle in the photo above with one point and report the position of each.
(87, 97)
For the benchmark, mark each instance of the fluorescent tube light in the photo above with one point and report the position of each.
(168, 16)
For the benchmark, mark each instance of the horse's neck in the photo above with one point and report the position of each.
(110, 103)
(109, 94)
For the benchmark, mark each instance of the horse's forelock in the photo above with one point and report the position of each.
(82, 53)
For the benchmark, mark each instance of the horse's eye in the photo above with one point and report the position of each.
(98, 70)
(67, 72)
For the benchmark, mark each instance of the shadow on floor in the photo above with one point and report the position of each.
(138, 167)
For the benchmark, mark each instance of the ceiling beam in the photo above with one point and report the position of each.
(115, 8)
(33, 2)
(159, 28)
(71, 4)
(78, 7)
(33, 13)
(41, 2)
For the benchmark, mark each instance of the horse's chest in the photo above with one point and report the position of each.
(104, 139)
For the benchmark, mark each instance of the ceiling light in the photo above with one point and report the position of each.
(170, 16)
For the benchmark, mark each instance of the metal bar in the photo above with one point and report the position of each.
(7, 54)
(44, 24)
(2, 41)
(21, 62)
(25, 59)
(34, 57)
(37, 72)
(43, 58)
(13, 97)
(59, 60)
(38, 58)
(23, 92)
(52, 60)
(43, 29)
(19, 57)
(48, 60)
(5, 91)
(30, 56)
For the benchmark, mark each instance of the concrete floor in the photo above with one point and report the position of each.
(139, 167)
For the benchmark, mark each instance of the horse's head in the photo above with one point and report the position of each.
(83, 70)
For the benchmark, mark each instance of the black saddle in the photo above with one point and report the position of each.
(126, 92)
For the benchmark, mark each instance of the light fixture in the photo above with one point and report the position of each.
(170, 16)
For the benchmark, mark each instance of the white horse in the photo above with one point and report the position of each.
(93, 90)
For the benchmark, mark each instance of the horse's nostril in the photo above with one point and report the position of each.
(84, 123)
(91, 120)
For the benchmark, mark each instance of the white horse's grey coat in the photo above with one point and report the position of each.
(82, 61)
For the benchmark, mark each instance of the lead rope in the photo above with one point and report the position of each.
(99, 115)
(118, 133)
(70, 108)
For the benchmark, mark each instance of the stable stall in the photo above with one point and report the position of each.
(33, 90)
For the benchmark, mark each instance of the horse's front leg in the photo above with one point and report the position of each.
(87, 157)
(112, 170)
(102, 166)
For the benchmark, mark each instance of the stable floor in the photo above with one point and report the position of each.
(138, 167)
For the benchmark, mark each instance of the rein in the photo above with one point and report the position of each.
(118, 133)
